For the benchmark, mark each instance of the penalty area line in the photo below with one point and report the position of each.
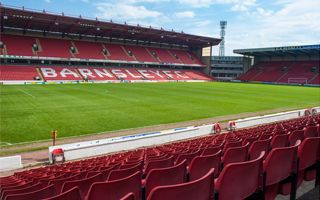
(27, 93)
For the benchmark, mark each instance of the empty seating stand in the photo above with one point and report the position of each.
(277, 172)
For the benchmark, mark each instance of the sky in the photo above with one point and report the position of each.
(251, 23)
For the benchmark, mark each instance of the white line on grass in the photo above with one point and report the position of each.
(5, 144)
(27, 93)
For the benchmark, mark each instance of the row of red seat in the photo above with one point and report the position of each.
(61, 48)
(284, 72)
(273, 158)
(28, 73)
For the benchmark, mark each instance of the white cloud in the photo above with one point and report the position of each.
(127, 12)
(184, 14)
(236, 5)
(47, 1)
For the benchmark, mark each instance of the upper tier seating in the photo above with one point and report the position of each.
(17, 45)
(89, 50)
(141, 54)
(74, 172)
(283, 72)
(64, 48)
(55, 48)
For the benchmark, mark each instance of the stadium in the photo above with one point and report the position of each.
(96, 109)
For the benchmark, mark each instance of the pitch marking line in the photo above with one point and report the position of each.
(27, 93)
(5, 144)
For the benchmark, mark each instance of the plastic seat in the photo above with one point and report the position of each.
(187, 156)
(278, 141)
(311, 131)
(82, 184)
(28, 189)
(239, 180)
(116, 189)
(59, 182)
(235, 154)
(46, 192)
(129, 196)
(201, 189)
(295, 136)
(200, 165)
(232, 145)
(210, 151)
(122, 173)
(165, 176)
(278, 166)
(257, 147)
(72, 194)
(167, 162)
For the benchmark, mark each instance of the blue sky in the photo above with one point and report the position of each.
(251, 23)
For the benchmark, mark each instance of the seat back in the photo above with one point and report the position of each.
(165, 176)
(201, 189)
(122, 173)
(210, 151)
(166, 162)
(200, 165)
(82, 184)
(29, 188)
(278, 141)
(280, 163)
(295, 136)
(257, 147)
(235, 154)
(116, 189)
(187, 156)
(311, 131)
(71, 194)
(239, 180)
(308, 152)
(129, 196)
(46, 192)
(59, 182)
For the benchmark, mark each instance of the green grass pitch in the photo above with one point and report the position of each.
(30, 112)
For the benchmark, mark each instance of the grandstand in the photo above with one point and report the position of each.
(282, 65)
(260, 162)
(104, 51)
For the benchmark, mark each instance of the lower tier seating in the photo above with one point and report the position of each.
(299, 72)
(185, 170)
(53, 73)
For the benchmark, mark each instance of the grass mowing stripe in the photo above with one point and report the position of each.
(87, 108)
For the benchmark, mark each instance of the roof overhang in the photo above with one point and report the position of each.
(17, 18)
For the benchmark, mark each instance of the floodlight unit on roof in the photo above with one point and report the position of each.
(35, 20)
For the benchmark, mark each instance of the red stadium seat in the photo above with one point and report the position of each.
(46, 192)
(116, 189)
(72, 194)
(311, 131)
(165, 176)
(235, 154)
(200, 165)
(166, 162)
(295, 136)
(278, 166)
(122, 173)
(129, 196)
(257, 147)
(239, 180)
(82, 184)
(278, 141)
(201, 189)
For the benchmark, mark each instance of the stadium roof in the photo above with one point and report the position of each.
(281, 51)
(17, 18)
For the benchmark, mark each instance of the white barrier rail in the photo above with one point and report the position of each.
(254, 121)
(109, 145)
(10, 163)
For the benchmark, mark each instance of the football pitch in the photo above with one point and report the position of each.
(30, 112)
